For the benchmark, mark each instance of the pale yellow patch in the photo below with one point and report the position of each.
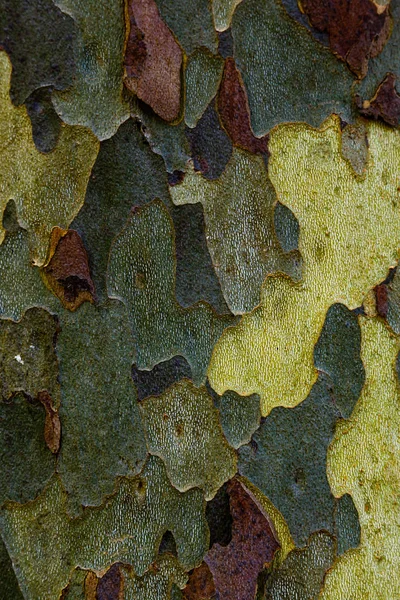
(223, 12)
(349, 238)
(364, 461)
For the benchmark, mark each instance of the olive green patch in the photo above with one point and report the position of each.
(127, 528)
(182, 428)
(141, 273)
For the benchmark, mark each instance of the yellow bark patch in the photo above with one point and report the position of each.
(349, 237)
(364, 461)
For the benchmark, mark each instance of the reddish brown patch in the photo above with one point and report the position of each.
(381, 296)
(233, 109)
(110, 586)
(52, 425)
(357, 29)
(136, 51)
(200, 585)
(235, 567)
(67, 273)
(385, 104)
(153, 60)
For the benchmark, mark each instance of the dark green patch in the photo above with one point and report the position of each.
(288, 75)
(165, 374)
(337, 353)
(46, 124)
(8, 582)
(348, 530)
(39, 39)
(26, 461)
(211, 147)
(102, 432)
(191, 22)
(144, 252)
(286, 227)
(286, 460)
(239, 415)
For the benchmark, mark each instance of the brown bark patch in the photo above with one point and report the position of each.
(233, 109)
(52, 425)
(67, 273)
(110, 586)
(200, 585)
(381, 297)
(90, 586)
(235, 567)
(385, 104)
(357, 29)
(153, 60)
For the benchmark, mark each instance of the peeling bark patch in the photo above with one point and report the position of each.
(385, 104)
(357, 29)
(110, 586)
(52, 425)
(381, 297)
(219, 518)
(200, 585)
(235, 567)
(153, 60)
(67, 273)
(233, 110)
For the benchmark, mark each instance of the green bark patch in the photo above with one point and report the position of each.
(241, 200)
(141, 273)
(28, 361)
(48, 189)
(127, 528)
(191, 23)
(21, 284)
(157, 582)
(183, 429)
(102, 432)
(288, 75)
(96, 97)
(23, 451)
(301, 575)
(202, 77)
